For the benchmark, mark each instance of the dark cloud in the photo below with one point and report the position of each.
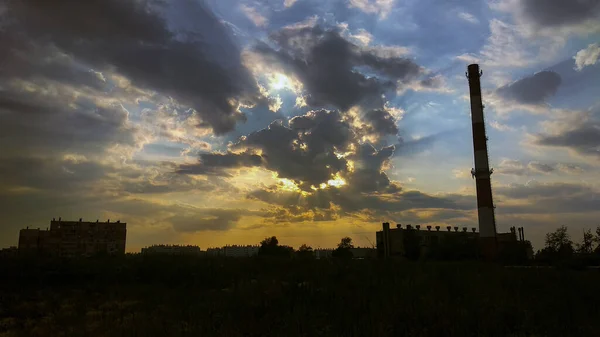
(581, 135)
(214, 163)
(381, 122)
(368, 175)
(535, 89)
(517, 168)
(50, 174)
(305, 151)
(199, 66)
(584, 139)
(553, 13)
(310, 151)
(349, 202)
(326, 63)
(51, 120)
(543, 198)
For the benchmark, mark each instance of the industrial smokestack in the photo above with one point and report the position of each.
(482, 172)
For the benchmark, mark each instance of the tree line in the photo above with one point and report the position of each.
(559, 248)
(269, 247)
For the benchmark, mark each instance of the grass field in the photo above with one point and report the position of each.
(138, 296)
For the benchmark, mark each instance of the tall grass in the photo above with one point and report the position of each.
(139, 296)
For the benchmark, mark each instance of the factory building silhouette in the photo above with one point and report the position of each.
(74, 238)
(414, 241)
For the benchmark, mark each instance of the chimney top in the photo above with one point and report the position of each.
(437, 228)
(428, 228)
(473, 68)
(449, 228)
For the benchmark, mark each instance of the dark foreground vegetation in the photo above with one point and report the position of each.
(140, 295)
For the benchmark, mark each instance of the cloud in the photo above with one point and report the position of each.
(435, 83)
(381, 122)
(258, 19)
(468, 17)
(289, 3)
(378, 7)
(510, 45)
(542, 16)
(587, 56)
(578, 131)
(500, 126)
(192, 219)
(327, 65)
(518, 168)
(531, 90)
(214, 163)
(316, 150)
(47, 118)
(140, 41)
(548, 198)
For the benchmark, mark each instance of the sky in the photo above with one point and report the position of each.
(223, 122)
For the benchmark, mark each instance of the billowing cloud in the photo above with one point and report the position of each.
(326, 64)
(136, 39)
(587, 57)
(381, 122)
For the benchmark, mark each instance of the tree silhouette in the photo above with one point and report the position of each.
(270, 247)
(597, 240)
(558, 246)
(587, 245)
(305, 252)
(559, 241)
(343, 249)
(346, 243)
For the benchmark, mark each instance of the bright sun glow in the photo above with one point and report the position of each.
(337, 181)
(288, 185)
(280, 81)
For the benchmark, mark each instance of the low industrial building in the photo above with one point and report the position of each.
(323, 253)
(9, 252)
(402, 241)
(172, 250)
(363, 252)
(74, 238)
(234, 251)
